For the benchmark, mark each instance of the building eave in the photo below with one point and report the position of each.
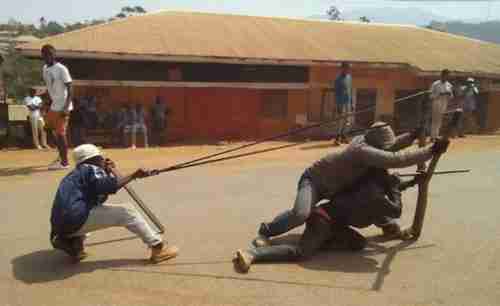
(210, 59)
(464, 74)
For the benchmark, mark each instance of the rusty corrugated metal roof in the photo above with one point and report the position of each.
(249, 37)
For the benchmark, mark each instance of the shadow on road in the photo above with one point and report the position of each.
(6, 172)
(342, 261)
(51, 265)
(356, 262)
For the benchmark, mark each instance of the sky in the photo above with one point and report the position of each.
(30, 11)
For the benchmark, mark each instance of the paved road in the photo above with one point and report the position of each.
(210, 213)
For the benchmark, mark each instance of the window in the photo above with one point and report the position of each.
(275, 104)
(86, 69)
(408, 113)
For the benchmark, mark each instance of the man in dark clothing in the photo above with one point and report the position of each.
(340, 169)
(343, 101)
(374, 199)
(159, 114)
(79, 208)
(77, 124)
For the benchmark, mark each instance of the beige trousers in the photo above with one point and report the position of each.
(123, 215)
(439, 107)
(38, 129)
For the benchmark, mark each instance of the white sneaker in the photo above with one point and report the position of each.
(58, 166)
(39, 148)
(133, 147)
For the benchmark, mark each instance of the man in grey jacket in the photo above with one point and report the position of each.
(374, 199)
(378, 148)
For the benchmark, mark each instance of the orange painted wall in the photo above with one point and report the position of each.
(297, 105)
(222, 113)
(206, 113)
(386, 81)
(493, 118)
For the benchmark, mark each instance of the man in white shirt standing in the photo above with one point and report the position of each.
(469, 95)
(58, 81)
(34, 104)
(441, 94)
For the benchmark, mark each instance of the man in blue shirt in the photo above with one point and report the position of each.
(343, 100)
(79, 207)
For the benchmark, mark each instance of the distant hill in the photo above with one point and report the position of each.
(487, 31)
(390, 15)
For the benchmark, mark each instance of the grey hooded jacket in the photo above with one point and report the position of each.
(341, 169)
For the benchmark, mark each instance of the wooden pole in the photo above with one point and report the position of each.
(152, 217)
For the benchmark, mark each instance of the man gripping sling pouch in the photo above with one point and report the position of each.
(80, 207)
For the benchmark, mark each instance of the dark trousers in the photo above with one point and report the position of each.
(77, 135)
(319, 233)
(158, 132)
(157, 136)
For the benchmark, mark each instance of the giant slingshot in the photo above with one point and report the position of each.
(411, 233)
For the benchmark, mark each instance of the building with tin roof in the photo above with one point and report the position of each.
(242, 77)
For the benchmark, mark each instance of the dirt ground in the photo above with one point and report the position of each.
(212, 210)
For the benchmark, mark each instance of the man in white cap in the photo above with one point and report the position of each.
(79, 207)
(469, 92)
(341, 169)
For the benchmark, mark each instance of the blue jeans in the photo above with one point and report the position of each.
(307, 197)
(318, 234)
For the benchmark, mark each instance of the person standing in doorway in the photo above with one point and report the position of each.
(441, 94)
(140, 126)
(58, 81)
(343, 101)
(159, 114)
(34, 104)
(135, 122)
(77, 124)
(470, 92)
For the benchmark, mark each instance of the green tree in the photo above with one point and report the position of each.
(53, 28)
(139, 10)
(334, 13)
(364, 19)
(20, 73)
(127, 11)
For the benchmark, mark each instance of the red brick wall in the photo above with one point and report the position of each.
(205, 113)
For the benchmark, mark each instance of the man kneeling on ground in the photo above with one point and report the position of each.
(79, 207)
(374, 200)
(378, 148)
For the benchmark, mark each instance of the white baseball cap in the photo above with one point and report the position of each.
(470, 80)
(85, 152)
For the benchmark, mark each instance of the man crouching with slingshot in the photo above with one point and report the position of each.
(79, 207)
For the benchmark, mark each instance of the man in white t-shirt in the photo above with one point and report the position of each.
(58, 81)
(441, 94)
(34, 104)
